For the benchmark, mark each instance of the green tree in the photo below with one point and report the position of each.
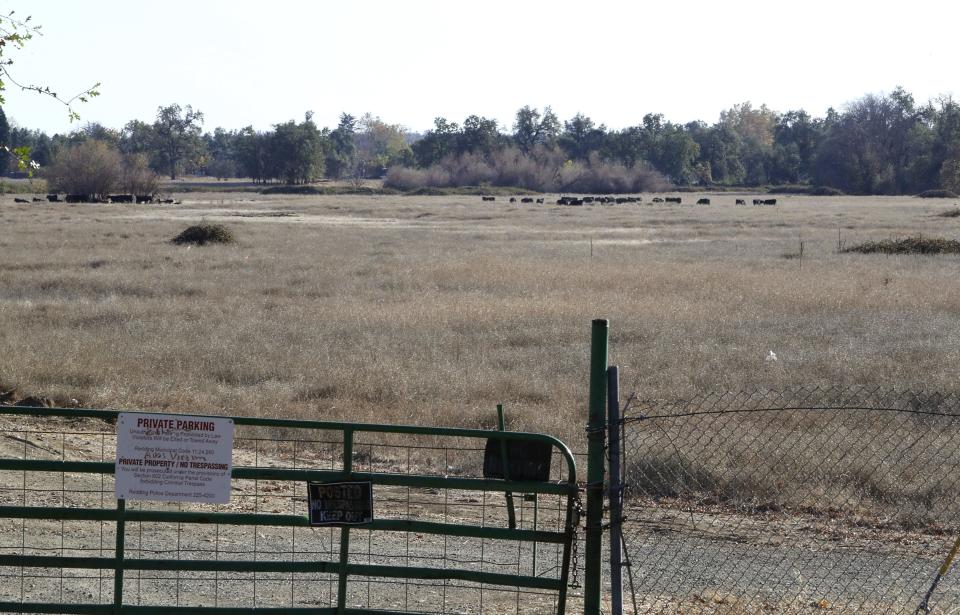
(343, 148)
(580, 137)
(136, 137)
(381, 145)
(297, 151)
(176, 138)
(531, 129)
(252, 154)
(438, 143)
(479, 134)
(4, 138)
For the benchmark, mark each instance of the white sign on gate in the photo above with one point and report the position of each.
(173, 458)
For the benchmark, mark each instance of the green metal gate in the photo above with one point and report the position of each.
(442, 530)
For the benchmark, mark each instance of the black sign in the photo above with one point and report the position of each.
(340, 503)
(526, 460)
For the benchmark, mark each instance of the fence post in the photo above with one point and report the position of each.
(595, 454)
(120, 549)
(615, 492)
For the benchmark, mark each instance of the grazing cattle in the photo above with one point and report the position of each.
(53, 198)
(489, 198)
(540, 201)
(674, 199)
(526, 199)
(770, 202)
(620, 200)
(657, 199)
(19, 200)
(513, 200)
(143, 198)
(758, 201)
(588, 199)
(703, 201)
(121, 198)
(741, 202)
(77, 198)
(37, 200)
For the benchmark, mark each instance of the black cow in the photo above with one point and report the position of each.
(53, 198)
(143, 198)
(770, 202)
(121, 198)
(588, 199)
(513, 200)
(19, 200)
(741, 202)
(489, 198)
(77, 198)
(540, 201)
(703, 201)
(526, 199)
(657, 199)
(37, 200)
(758, 201)
(674, 199)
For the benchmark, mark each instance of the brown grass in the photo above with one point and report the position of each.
(433, 309)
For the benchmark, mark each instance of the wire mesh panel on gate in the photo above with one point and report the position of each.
(808, 500)
(279, 539)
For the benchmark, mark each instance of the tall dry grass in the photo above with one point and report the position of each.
(433, 309)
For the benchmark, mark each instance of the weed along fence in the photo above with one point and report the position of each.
(800, 501)
(245, 515)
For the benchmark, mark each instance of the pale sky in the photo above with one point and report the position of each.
(260, 63)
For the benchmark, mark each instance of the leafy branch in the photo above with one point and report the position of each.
(14, 34)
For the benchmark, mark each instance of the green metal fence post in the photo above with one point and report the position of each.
(595, 471)
(345, 530)
(501, 426)
(119, 553)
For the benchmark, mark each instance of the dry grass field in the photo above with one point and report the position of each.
(431, 310)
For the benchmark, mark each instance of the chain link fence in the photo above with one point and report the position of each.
(802, 501)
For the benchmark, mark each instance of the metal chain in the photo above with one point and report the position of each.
(575, 547)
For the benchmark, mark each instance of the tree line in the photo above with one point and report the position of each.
(878, 144)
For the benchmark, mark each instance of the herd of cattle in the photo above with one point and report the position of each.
(86, 198)
(609, 200)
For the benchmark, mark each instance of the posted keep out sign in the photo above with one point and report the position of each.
(173, 458)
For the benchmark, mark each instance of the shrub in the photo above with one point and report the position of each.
(138, 177)
(542, 170)
(202, 234)
(938, 194)
(91, 168)
(909, 245)
(825, 191)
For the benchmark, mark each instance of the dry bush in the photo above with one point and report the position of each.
(91, 168)
(543, 169)
(138, 177)
(202, 234)
(908, 245)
